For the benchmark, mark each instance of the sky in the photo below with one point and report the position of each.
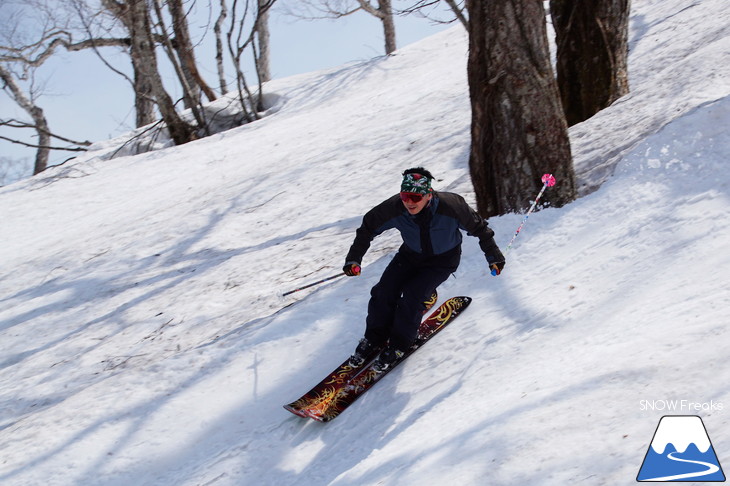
(78, 83)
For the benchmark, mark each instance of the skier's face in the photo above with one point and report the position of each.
(413, 206)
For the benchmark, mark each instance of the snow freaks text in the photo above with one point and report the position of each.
(681, 406)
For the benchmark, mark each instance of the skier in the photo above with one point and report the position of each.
(430, 224)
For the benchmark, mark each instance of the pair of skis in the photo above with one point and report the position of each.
(344, 385)
(338, 390)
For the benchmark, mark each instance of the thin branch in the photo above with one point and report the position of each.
(94, 47)
(16, 56)
(376, 12)
(13, 123)
(32, 145)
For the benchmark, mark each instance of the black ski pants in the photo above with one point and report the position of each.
(397, 300)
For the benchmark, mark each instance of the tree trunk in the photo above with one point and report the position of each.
(384, 12)
(186, 54)
(218, 29)
(518, 128)
(458, 12)
(592, 55)
(263, 59)
(386, 9)
(39, 120)
(43, 152)
(144, 104)
(143, 49)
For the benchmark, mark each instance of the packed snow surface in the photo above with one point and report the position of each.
(143, 340)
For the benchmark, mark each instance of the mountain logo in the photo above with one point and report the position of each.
(681, 451)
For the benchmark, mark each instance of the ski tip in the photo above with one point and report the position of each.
(316, 417)
(305, 413)
(295, 411)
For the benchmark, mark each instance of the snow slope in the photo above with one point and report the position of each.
(142, 339)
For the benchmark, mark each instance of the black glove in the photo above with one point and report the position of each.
(496, 261)
(496, 268)
(351, 269)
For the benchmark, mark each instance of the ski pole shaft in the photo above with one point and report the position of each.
(547, 181)
(524, 220)
(341, 274)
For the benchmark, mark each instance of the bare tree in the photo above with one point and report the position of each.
(36, 113)
(247, 23)
(239, 39)
(426, 8)
(259, 39)
(262, 50)
(247, 31)
(592, 54)
(139, 27)
(518, 129)
(98, 24)
(135, 16)
(18, 63)
(384, 12)
(179, 50)
(335, 9)
(183, 48)
(11, 170)
(168, 29)
(218, 33)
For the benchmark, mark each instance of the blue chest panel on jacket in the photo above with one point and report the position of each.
(444, 230)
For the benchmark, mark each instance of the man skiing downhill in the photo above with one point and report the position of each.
(430, 224)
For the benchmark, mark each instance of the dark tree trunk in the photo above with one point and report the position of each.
(218, 31)
(386, 10)
(143, 48)
(592, 56)
(43, 152)
(518, 127)
(40, 123)
(263, 59)
(186, 54)
(135, 16)
(144, 103)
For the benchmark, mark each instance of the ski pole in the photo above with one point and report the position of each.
(341, 274)
(547, 181)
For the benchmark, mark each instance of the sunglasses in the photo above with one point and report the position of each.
(411, 196)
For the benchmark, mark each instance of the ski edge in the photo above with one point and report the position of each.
(329, 415)
(339, 377)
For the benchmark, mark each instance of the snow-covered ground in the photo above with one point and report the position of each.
(143, 340)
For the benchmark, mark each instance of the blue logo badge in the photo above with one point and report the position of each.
(681, 451)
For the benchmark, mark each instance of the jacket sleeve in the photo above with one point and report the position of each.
(375, 221)
(475, 225)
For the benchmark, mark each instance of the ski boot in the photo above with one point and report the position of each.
(386, 359)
